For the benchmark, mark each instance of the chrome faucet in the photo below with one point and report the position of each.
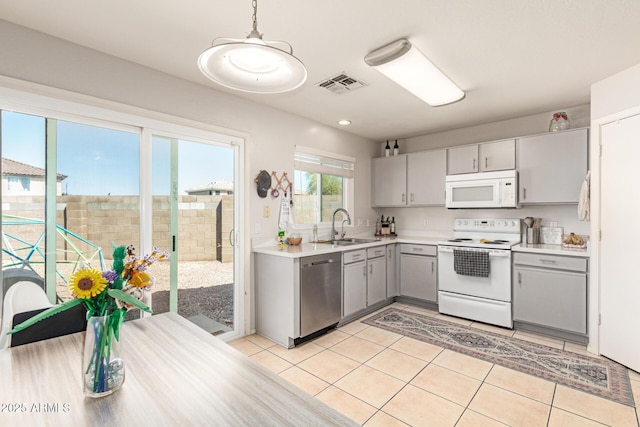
(333, 222)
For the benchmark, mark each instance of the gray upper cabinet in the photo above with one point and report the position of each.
(389, 179)
(426, 172)
(462, 159)
(497, 156)
(485, 157)
(552, 166)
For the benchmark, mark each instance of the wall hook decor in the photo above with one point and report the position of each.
(282, 184)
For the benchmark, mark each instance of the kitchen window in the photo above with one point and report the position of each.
(323, 182)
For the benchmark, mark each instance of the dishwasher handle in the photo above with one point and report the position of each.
(320, 262)
(326, 261)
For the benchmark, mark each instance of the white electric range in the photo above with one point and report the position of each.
(474, 270)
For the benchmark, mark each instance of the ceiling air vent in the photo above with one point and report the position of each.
(340, 84)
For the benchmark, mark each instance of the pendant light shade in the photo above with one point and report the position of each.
(252, 64)
(401, 62)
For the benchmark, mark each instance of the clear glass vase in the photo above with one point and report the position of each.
(102, 367)
(560, 121)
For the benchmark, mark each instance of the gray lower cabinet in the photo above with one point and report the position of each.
(392, 281)
(364, 279)
(550, 294)
(376, 280)
(354, 282)
(418, 272)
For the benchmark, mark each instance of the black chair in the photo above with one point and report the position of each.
(67, 322)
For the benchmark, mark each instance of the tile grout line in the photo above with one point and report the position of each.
(408, 382)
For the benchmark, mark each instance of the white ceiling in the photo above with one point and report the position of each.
(511, 57)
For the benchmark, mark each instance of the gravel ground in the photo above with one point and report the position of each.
(204, 287)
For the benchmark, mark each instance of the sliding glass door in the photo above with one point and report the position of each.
(193, 209)
(74, 186)
(70, 192)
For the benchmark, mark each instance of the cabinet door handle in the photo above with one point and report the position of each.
(364, 271)
(547, 261)
(519, 278)
(412, 197)
(486, 162)
(432, 266)
(524, 193)
(403, 198)
(474, 164)
(371, 269)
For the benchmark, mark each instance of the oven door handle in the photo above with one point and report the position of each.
(501, 253)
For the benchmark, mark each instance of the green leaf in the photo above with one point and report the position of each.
(128, 299)
(47, 313)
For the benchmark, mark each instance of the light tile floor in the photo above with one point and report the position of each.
(379, 378)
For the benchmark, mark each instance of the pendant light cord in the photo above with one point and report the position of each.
(254, 3)
(254, 33)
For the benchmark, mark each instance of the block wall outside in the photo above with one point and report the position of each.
(305, 208)
(204, 223)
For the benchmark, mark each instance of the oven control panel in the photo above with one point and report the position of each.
(493, 225)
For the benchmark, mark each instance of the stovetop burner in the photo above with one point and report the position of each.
(496, 233)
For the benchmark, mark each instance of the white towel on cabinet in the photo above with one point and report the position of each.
(584, 205)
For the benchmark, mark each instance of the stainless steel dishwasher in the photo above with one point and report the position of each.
(320, 292)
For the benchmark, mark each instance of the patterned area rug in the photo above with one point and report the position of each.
(600, 377)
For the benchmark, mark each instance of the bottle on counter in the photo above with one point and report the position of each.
(396, 148)
(315, 232)
(387, 149)
(392, 226)
(384, 226)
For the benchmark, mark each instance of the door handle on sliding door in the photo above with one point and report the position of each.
(231, 237)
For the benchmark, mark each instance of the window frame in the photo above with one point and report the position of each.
(319, 162)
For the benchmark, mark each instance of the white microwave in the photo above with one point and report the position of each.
(482, 190)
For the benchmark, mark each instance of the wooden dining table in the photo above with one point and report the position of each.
(176, 375)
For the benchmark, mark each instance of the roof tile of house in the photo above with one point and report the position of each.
(14, 168)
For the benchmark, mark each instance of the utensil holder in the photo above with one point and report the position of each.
(533, 236)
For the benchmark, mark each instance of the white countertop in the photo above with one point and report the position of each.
(307, 249)
(552, 250)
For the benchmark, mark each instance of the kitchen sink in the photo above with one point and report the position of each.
(347, 242)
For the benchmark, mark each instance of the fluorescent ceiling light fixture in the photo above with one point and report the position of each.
(344, 122)
(252, 64)
(404, 64)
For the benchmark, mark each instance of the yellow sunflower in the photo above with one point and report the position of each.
(87, 283)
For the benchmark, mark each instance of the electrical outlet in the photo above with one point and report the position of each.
(368, 222)
(425, 223)
(257, 228)
(266, 212)
(359, 222)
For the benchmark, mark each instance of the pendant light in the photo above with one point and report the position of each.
(252, 64)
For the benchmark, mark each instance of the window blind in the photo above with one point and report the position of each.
(312, 160)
